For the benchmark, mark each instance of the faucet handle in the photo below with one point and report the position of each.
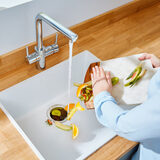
(56, 38)
(27, 51)
(32, 57)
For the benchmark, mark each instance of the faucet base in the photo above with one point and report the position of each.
(40, 57)
(40, 67)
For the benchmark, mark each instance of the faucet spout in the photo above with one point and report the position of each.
(41, 51)
(57, 26)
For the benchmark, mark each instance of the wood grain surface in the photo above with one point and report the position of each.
(16, 59)
(12, 145)
(123, 35)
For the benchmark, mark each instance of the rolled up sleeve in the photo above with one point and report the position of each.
(107, 110)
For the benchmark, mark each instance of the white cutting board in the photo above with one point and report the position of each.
(121, 68)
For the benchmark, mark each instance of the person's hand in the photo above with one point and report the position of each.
(154, 60)
(100, 81)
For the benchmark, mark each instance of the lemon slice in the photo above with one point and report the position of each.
(56, 112)
(63, 126)
(74, 110)
(71, 113)
(75, 131)
(80, 88)
(79, 107)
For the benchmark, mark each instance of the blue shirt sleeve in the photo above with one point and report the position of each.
(138, 124)
(154, 84)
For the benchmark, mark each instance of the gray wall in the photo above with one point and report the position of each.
(17, 26)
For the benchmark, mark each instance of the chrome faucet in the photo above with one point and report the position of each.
(41, 51)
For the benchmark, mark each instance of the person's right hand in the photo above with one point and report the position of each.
(154, 60)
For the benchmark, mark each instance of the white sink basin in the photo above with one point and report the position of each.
(26, 105)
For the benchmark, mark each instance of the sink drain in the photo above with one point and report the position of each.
(57, 113)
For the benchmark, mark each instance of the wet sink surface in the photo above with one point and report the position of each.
(28, 102)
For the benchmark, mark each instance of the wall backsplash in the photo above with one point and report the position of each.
(17, 26)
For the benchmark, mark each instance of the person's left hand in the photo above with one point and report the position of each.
(154, 59)
(100, 81)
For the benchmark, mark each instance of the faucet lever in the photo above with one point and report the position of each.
(27, 51)
(52, 48)
(32, 57)
(56, 38)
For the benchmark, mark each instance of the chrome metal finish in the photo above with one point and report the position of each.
(57, 26)
(34, 57)
(41, 51)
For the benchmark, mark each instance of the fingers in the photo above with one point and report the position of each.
(93, 80)
(97, 71)
(145, 56)
(108, 77)
(94, 72)
(92, 77)
(102, 73)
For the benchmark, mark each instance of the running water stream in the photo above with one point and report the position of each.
(70, 70)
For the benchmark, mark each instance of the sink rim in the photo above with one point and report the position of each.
(17, 126)
(29, 140)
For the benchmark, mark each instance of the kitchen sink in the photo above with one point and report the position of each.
(26, 105)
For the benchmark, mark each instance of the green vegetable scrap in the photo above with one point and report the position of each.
(131, 74)
(135, 76)
(139, 77)
(115, 80)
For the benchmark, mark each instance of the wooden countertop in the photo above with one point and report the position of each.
(138, 32)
